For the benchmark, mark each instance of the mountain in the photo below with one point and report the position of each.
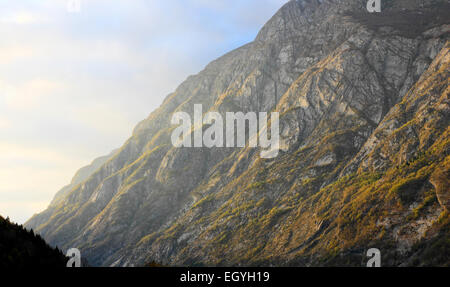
(21, 248)
(80, 176)
(364, 160)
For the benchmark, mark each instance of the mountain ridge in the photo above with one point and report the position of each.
(334, 82)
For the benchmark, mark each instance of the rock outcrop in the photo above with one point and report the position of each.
(364, 124)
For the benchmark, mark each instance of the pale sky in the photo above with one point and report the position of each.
(73, 85)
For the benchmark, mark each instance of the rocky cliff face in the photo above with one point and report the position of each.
(364, 124)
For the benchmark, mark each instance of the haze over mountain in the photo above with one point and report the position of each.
(364, 122)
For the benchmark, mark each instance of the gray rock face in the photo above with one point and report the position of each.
(334, 82)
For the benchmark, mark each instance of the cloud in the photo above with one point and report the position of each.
(29, 95)
(11, 151)
(29, 177)
(4, 123)
(21, 210)
(104, 119)
(12, 53)
(22, 18)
